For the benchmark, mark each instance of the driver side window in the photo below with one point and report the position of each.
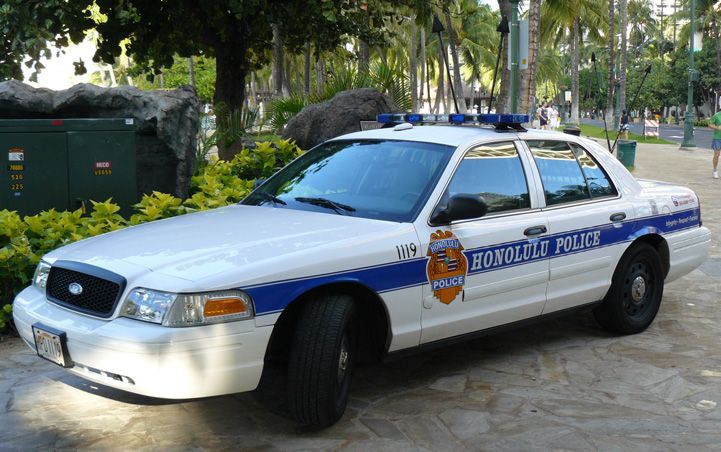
(495, 172)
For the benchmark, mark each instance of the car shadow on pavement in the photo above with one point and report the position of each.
(376, 382)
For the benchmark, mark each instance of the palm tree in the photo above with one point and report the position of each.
(528, 82)
(479, 44)
(564, 19)
(611, 60)
(643, 25)
(453, 45)
(503, 102)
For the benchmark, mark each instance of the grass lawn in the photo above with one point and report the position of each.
(588, 130)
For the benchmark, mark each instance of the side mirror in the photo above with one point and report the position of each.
(462, 206)
(258, 182)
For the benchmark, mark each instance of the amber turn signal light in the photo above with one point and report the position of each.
(223, 306)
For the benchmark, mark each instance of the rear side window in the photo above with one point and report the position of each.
(561, 174)
(599, 184)
(495, 172)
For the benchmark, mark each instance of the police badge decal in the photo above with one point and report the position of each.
(447, 266)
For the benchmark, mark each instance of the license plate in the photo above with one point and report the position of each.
(51, 344)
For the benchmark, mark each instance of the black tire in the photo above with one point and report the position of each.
(321, 360)
(636, 290)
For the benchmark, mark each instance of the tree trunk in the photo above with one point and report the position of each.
(423, 67)
(277, 69)
(231, 69)
(413, 67)
(428, 85)
(298, 83)
(364, 52)
(286, 78)
(191, 72)
(575, 98)
(528, 87)
(457, 83)
(441, 89)
(253, 90)
(611, 62)
(307, 68)
(504, 92)
(623, 4)
(320, 74)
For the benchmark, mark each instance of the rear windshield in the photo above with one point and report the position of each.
(385, 180)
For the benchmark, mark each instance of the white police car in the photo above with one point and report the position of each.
(372, 244)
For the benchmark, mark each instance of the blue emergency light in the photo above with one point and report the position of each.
(501, 121)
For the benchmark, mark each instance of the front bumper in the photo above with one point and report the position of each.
(150, 359)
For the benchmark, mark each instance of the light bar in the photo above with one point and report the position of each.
(458, 118)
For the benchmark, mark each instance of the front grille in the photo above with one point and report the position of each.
(101, 289)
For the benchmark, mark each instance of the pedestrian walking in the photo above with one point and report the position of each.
(543, 116)
(715, 124)
(624, 125)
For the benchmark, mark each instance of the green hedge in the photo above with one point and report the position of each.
(23, 241)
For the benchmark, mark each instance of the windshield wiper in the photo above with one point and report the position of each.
(270, 197)
(327, 203)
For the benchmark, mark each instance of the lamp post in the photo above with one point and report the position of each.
(515, 48)
(688, 141)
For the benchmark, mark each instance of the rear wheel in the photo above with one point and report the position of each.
(635, 295)
(322, 359)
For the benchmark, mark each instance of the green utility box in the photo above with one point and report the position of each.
(65, 163)
(626, 153)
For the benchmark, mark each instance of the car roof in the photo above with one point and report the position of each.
(449, 135)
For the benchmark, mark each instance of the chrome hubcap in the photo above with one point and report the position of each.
(638, 289)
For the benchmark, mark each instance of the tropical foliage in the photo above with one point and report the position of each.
(23, 240)
(293, 54)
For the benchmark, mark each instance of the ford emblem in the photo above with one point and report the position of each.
(75, 288)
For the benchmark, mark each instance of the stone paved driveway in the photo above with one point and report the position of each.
(561, 385)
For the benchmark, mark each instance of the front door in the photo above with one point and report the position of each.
(492, 270)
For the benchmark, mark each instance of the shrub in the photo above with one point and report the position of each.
(701, 123)
(23, 241)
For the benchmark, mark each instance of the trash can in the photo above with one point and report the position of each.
(572, 130)
(626, 153)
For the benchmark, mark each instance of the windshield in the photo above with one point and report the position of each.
(385, 180)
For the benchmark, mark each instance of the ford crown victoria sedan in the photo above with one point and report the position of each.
(370, 245)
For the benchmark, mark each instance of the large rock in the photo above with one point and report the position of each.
(165, 124)
(342, 114)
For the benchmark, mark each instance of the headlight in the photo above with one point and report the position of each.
(40, 278)
(178, 310)
(210, 307)
(148, 305)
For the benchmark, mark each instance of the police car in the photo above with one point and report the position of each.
(370, 245)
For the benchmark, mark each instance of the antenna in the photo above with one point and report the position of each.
(438, 28)
(503, 30)
(605, 126)
(633, 102)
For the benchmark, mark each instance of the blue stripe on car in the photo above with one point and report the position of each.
(274, 296)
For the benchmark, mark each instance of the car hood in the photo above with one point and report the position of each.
(233, 245)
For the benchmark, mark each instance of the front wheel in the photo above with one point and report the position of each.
(635, 295)
(321, 360)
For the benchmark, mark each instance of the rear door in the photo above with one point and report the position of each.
(585, 215)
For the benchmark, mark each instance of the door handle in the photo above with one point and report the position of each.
(535, 230)
(620, 216)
